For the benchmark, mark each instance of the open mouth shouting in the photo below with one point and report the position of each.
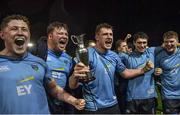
(108, 43)
(20, 45)
(62, 44)
(19, 41)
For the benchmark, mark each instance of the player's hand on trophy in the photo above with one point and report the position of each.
(80, 71)
(158, 71)
(79, 104)
(149, 65)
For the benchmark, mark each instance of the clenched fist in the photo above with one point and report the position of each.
(157, 71)
(149, 65)
(79, 104)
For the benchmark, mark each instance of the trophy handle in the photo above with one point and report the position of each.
(82, 35)
(77, 39)
(74, 37)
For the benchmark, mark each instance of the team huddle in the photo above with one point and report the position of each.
(32, 85)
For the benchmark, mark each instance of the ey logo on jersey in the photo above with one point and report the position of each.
(4, 68)
(24, 89)
(56, 75)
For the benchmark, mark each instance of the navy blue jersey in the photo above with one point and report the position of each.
(61, 65)
(141, 87)
(22, 85)
(170, 78)
(100, 92)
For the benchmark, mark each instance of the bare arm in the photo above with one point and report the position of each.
(130, 73)
(73, 82)
(61, 94)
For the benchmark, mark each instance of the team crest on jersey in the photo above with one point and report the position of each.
(66, 61)
(35, 67)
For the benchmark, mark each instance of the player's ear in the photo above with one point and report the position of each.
(50, 36)
(97, 36)
(2, 35)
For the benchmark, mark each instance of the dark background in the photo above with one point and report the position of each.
(154, 17)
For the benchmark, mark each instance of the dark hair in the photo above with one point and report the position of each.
(118, 42)
(140, 35)
(170, 34)
(41, 48)
(54, 25)
(130, 45)
(7, 19)
(102, 25)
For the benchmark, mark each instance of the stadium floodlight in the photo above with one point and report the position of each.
(30, 45)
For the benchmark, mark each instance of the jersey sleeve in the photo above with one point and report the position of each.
(157, 53)
(120, 66)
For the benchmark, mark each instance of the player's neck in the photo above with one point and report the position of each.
(8, 53)
(100, 49)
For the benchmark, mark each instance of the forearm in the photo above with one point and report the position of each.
(131, 73)
(73, 82)
(59, 93)
(66, 97)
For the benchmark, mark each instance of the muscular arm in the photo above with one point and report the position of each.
(130, 73)
(61, 94)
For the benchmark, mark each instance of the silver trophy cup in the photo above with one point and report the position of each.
(82, 55)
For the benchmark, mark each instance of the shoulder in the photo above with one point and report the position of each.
(91, 49)
(158, 50)
(151, 48)
(33, 58)
(3, 58)
(113, 55)
(122, 54)
(64, 54)
(112, 52)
